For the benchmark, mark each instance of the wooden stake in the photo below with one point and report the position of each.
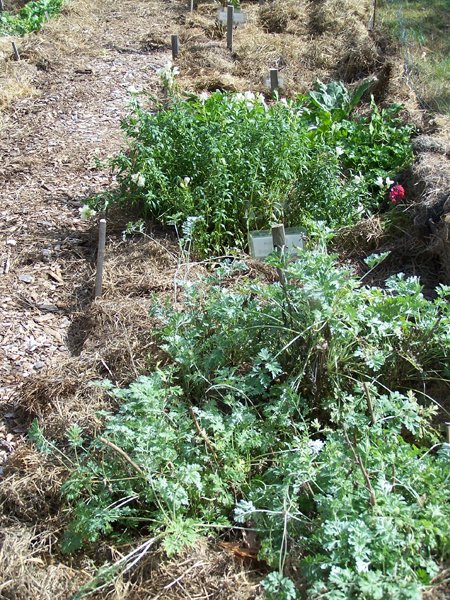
(175, 46)
(447, 426)
(191, 5)
(279, 244)
(274, 83)
(279, 237)
(374, 16)
(230, 19)
(100, 258)
(15, 51)
(2, 6)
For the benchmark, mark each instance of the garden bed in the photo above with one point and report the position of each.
(276, 384)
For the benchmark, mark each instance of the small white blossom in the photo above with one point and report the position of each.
(357, 178)
(138, 179)
(379, 181)
(204, 96)
(339, 151)
(86, 212)
(283, 101)
(262, 101)
(167, 74)
(389, 182)
(315, 446)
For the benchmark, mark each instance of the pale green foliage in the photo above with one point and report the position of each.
(294, 406)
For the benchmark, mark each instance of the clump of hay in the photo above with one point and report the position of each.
(362, 238)
(431, 175)
(335, 16)
(204, 571)
(31, 486)
(27, 571)
(63, 395)
(358, 54)
(283, 16)
(431, 178)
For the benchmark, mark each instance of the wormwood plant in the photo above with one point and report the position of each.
(291, 411)
(29, 18)
(236, 164)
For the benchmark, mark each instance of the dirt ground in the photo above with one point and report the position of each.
(62, 105)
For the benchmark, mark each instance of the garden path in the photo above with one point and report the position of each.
(83, 65)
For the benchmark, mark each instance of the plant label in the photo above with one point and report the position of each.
(261, 245)
(238, 17)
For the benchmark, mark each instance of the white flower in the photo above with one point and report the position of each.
(138, 179)
(86, 212)
(187, 180)
(389, 182)
(141, 181)
(167, 74)
(204, 96)
(339, 151)
(379, 181)
(262, 100)
(315, 446)
(357, 178)
(284, 101)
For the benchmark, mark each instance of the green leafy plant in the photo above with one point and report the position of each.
(289, 409)
(236, 164)
(30, 17)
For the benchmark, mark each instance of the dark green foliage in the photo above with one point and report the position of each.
(232, 164)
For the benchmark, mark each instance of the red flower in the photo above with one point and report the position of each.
(396, 193)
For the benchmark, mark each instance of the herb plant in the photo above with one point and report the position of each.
(289, 409)
(236, 164)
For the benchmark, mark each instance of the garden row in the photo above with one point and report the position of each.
(300, 410)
